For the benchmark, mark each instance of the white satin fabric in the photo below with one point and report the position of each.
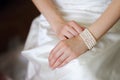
(100, 63)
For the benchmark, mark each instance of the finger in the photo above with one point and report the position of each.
(60, 60)
(68, 34)
(71, 30)
(54, 50)
(66, 61)
(62, 37)
(77, 27)
(56, 56)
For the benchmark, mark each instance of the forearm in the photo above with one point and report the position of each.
(49, 10)
(107, 20)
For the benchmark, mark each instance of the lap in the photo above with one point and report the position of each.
(91, 65)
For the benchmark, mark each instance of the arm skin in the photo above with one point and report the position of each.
(49, 10)
(107, 20)
(98, 29)
(62, 28)
(69, 49)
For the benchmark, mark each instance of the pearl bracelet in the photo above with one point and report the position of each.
(88, 38)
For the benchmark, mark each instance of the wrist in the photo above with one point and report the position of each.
(96, 34)
(58, 21)
(56, 25)
(88, 38)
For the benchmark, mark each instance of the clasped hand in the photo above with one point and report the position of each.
(70, 47)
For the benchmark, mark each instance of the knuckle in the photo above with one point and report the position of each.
(73, 22)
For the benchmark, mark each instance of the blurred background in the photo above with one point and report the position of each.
(15, 20)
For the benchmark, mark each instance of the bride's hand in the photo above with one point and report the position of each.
(65, 51)
(68, 30)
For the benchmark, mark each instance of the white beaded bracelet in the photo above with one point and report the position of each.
(88, 38)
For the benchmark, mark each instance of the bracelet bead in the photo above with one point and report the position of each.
(88, 38)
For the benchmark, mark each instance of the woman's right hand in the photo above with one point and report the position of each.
(63, 29)
(68, 30)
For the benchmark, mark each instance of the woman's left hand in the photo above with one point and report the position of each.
(65, 51)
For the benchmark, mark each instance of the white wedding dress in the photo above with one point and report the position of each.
(100, 63)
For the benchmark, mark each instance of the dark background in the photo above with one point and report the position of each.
(15, 20)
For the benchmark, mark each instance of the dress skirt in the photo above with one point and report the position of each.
(102, 62)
